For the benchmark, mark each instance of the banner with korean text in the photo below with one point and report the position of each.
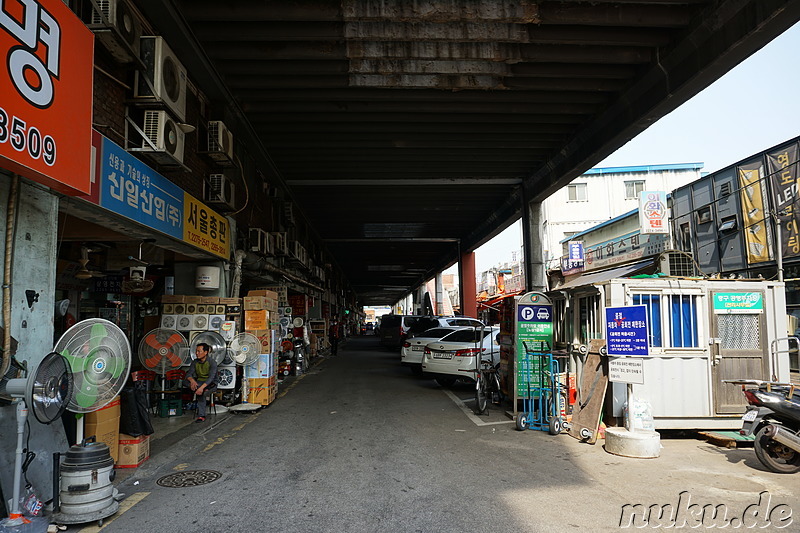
(753, 213)
(129, 188)
(783, 174)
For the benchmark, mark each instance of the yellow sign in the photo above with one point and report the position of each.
(753, 214)
(205, 228)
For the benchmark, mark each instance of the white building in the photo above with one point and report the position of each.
(602, 194)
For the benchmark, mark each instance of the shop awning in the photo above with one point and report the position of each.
(591, 278)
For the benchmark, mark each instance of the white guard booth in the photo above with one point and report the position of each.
(701, 332)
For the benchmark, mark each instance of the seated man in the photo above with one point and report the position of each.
(202, 378)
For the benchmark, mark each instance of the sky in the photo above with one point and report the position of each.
(753, 107)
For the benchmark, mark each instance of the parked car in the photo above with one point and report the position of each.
(395, 329)
(453, 356)
(413, 348)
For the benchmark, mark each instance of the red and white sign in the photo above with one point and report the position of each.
(653, 212)
(46, 74)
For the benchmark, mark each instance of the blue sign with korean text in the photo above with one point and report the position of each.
(576, 251)
(130, 188)
(626, 331)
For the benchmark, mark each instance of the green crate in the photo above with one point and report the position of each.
(168, 407)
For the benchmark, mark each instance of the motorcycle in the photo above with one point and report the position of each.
(773, 415)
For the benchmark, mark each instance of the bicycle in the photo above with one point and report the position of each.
(487, 386)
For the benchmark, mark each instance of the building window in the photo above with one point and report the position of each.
(671, 319)
(633, 188)
(577, 192)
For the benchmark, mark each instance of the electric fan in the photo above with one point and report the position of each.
(214, 340)
(47, 391)
(162, 350)
(99, 356)
(246, 348)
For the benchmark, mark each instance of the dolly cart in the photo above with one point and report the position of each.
(541, 406)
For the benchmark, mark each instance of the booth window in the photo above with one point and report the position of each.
(589, 309)
(633, 188)
(673, 314)
(577, 192)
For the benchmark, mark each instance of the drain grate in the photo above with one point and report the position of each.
(190, 478)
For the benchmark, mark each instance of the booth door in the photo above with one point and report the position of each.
(740, 353)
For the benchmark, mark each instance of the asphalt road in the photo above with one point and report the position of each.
(360, 445)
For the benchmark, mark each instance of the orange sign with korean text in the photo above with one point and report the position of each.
(46, 70)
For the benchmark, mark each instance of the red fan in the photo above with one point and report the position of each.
(162, 350)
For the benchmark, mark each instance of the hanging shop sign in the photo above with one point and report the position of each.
(46, 76)
(726, 303)
(626, 331)
(653, 212)
(128, 187)
(534, 334)
(623, 249)
(752, 194)
(782, 166)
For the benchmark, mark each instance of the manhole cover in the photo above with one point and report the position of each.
(190, 478)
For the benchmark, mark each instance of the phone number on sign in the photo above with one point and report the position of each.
(208, 244)
(27, 138)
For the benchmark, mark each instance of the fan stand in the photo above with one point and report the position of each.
(15, 516)
(244, 407)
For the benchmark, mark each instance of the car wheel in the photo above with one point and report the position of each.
(522, 422)
(446, 381)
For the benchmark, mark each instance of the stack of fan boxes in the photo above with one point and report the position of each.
(261, 319)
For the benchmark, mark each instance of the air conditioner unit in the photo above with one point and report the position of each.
(281, 243)
(165, 135)
(220, 142)
(169, 321)
(164, 77)
(288, 213)
(118, 28)
(298, 252)
(184, 322)
(260, 242)
(679, 264)
(226, 377)
(215, 322)
(220, 191)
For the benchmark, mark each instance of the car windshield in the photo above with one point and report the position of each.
(389, 321)
(435, 333)
(467, 335)
(418, 324)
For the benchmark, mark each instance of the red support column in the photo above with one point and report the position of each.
(469, 303)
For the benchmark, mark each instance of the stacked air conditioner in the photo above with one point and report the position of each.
(298, 252)
(261, 242)
(220, 142)
(281, 243)
(161, 88)
(118, 28)
(220, 192)
(288, 213)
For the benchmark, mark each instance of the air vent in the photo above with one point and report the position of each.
(725, 189)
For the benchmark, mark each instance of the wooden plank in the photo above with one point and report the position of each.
(728, 439)
(592, 392)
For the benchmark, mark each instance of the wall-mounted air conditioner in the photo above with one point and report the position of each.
(220, 142)
(166, 138)
(118, 28)
(298, 252)
(281, 243)
(164, 77)
(219, 191)
(261, 242)
(288, 213)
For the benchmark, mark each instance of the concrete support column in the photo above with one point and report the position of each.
(419, 301)
(439, 295)
(533, 238)
(466, 279)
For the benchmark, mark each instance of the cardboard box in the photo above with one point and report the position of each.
(210, 300)
(256, 320)
(230, 301)
(263, 292)
(133, 451)
(255, 303)
(261, 392)
(104, 426)
(172, 299)
(263, 368)
(193, 299)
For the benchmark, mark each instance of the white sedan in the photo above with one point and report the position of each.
(453, 356)
(413, 347)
